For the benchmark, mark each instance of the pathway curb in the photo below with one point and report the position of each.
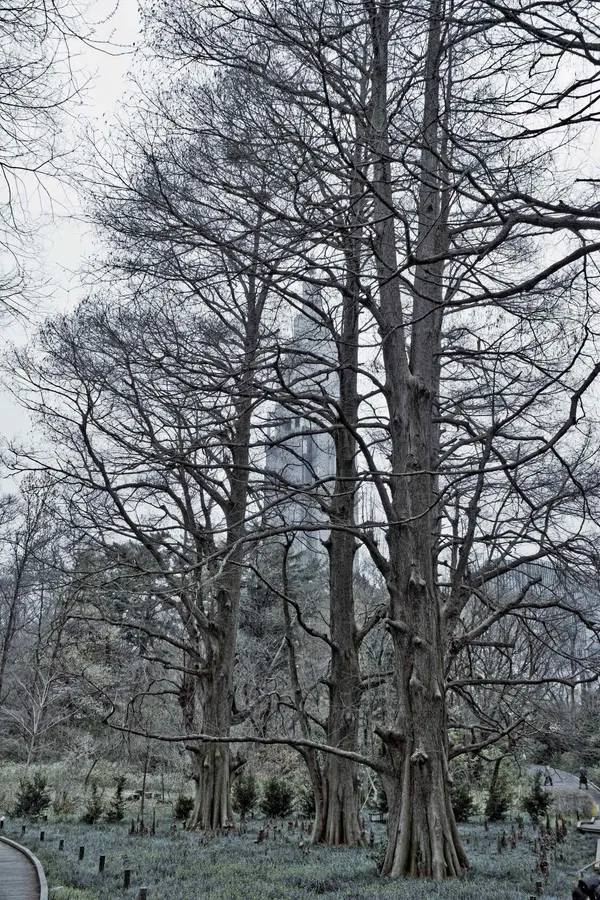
(33, 859)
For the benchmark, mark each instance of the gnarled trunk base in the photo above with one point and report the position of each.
(340, 820)
(212, 808)
(423, 839)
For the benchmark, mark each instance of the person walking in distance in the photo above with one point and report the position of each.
(583, 781)
(547, 776)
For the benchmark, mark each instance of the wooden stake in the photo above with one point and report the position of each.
(144, 781)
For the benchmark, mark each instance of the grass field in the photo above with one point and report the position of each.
(188, 866)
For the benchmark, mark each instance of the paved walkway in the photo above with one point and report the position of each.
(18, 876)
(562, 779)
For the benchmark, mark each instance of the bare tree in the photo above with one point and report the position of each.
(175, 480)
(445, 234)
(397, 182)
(26, 534)
(37, 82)
(38, 699)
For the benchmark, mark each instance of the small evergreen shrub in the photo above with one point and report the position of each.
(32, 797)
(305, 800)
(277, 799)
(537, 801)
(95, 807)
(183, 807)
(116, 809)
(63, 804)
(244, 794)
(462, 801)
(499, 799)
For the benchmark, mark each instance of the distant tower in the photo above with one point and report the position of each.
(300, 454)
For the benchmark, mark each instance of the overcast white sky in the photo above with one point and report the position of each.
(64, 239)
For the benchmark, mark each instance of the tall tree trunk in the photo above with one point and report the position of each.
(214, 763)
(423, 838)
(341, 823)
(309, 755)
(211, 768)
(212, 773)
(144, 777)
(341, 797)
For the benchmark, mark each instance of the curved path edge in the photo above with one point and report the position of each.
(35, 862)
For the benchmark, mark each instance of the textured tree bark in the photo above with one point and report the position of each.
(423, 838)
(341, 820)
(219, 619)
(212, 762)
(309, 756)
(316, 780)
(212, 807)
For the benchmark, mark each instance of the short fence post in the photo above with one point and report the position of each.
(61, 844)
(42, 833)
(101, 863)
(143, 894)
(81, 853)
(126, 878)
(23, 827)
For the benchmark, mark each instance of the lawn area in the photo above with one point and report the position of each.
(189, 866)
